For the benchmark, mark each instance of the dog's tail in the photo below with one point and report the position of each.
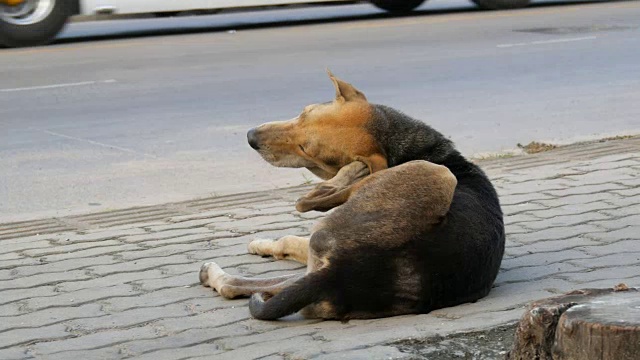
(303, 292)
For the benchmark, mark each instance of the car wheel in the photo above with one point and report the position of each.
(501, 4)
(33, 22)
(397, 6)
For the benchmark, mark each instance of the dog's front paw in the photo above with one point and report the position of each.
(210, 275)
(262, 247)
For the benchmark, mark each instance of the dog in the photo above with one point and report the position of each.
(414, 226)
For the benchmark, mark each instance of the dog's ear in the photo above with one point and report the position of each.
(345, 91)
(335, 191)
(375, 162)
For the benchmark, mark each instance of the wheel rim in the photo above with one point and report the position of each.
(27, 13)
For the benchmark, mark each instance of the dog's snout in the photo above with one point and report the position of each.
(252, 137)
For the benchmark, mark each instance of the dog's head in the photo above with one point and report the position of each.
(324, 137)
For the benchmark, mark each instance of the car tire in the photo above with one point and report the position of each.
(37, 27)
(397, 6)
(501, 4)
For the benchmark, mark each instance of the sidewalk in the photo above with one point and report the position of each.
(125, 283)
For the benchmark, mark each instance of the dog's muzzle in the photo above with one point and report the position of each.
(253, 139)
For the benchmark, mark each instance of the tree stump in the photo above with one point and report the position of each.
(602, 324)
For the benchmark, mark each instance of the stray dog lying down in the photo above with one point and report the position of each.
(414, 227)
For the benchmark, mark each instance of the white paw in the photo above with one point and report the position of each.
(260, 247)
(211, 274)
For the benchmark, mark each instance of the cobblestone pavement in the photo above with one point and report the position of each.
(125, 283)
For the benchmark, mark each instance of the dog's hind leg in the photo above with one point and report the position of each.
(231, 286)
(288, 247)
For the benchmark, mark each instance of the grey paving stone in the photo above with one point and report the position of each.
(619, 223)
(171, 233)
(535, 272)
(566, 221)
(611, 165)
(578, 199)
(56, 267)
(625, 233)
(566, 232)
(520, 208)
(100, 235)
(541, 259)
(612, 260)
(617, 247)
(37, 319)
(79, 297)
(90, 253)
(94, 341)
(14, 353)
(587, 189)
(574, 209)
(110, 280)
(553, 245)
(41, 334)
(618, 273)
(375, 352)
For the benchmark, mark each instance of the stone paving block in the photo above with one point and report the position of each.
(130, 318)
(619, 223)
(43, 280)
(566, 221)
(209, 320)
(109, 280)
(610, 165)
(618, 273)
(573, 209)
(520, 208)
(37, 319)
(70, 248)
(100, 235)
(535, 272)
(163, 282)
(79, 297)
(617, 247)
(600, 177)
(34, 245)
(534, 186)
(374, 352)
(625, 201)
(578, 199)
(56, 267)
(198, 351)
(554, 245)
(184, 340)
(13, 353)
(42, 335)
(94, 341)
(586, 189)
(622, 211)
(619, 259)
(266, 348)
(139, 265)
(90, 253)
(566, 232)
(608, 283)
(519, 218)
(542, 259)
(189, 224)
(508, 200)
(155, 236)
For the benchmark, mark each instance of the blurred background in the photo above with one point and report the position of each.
(141, 102)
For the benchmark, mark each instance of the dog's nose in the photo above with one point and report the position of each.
(253, 139)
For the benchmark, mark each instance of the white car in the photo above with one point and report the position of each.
(35, 22)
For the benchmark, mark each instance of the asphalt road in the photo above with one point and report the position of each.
(135, 112)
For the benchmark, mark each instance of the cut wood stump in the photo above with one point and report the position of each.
(589, 324)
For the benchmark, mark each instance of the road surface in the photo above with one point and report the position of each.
(146, 111)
